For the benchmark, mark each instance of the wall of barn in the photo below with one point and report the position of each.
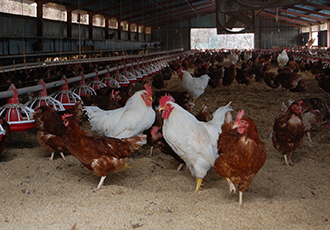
(268, 34)
(19, 33)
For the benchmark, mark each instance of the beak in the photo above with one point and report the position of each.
(150, 98)
(235, 125)
(161, 108)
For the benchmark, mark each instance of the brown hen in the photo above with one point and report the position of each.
(101, 155)
(241, 153)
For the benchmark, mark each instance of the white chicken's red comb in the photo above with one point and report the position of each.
(148, 89)
(164, 99)
(66, 115)
(240, 115)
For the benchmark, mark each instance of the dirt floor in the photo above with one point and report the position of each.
(36, 193)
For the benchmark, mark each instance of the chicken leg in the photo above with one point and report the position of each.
(287, 160)
(198, 184)
(240, 199)
(232, 188)
(52, 156)
(100, 185)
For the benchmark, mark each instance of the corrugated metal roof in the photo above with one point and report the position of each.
(156, 13)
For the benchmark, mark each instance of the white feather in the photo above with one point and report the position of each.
(194, 85)
(128, 121)
(194, 141)
(282, 58)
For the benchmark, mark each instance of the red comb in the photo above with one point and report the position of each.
(164, 99)
(66, 115)
(149, 90)
(240, 115)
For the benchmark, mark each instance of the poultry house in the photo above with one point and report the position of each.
(101, 155)
(194, 141)
(241, 153)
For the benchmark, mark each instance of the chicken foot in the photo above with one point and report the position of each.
(287, 160)
(151, 150)
(198, 184)
(52, 156)
(240, 201)
(100, 185)
(180, 167)
(232, 188)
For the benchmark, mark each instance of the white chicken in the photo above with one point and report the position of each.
(233, 57)
(194, 85)
(194, 141)
(131, 120)
(282, 58)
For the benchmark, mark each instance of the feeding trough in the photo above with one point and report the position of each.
(18, 116)
(95, 83)
(136, 73)
(131, 77)
(122, 80)
(44, 99)
(82, 88)
(66, 96)
(143, 71)
(110, 81)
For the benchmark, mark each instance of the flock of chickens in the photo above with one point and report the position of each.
(159, 118)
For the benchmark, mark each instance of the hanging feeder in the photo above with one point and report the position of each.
(82, 88)
(147, 68)
(66, 96)
(122, 80)
(95, 83)
(18, 116)
(44, 99)
(131, 77)
(143, 71)
(136, 73)
(110, 81)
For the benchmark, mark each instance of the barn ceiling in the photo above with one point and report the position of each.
(156, 13)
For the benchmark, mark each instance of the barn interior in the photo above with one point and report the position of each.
(262, 56)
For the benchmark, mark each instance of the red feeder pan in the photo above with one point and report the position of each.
(122, 80)
(18, 116)
(135, 72)
(82, 88)
(44, 99)
(110, 81)
(131, 77)
(95, 83)
(66, 96)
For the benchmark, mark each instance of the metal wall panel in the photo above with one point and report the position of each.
(54, 29)
(17, 26)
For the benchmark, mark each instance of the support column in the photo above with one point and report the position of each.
(328, 35)
(39, 19)
(129, 32)
(106, 28)
(69, 24)
(120, 29)
(90, 26)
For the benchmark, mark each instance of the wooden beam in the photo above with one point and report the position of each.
(311, 11)
(320, 7)
(285, 19)
(292, 17)
(261, 15)
(301, 15)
